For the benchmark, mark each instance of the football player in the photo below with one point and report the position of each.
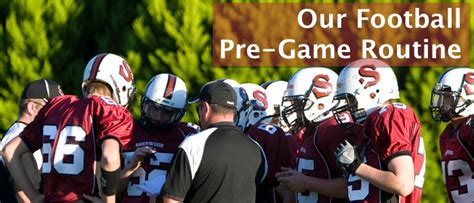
(275, 91)
(451, 101)
(74, 134)
(389, 163)
(317, 177)
(156, 137)
(272, 139)
(243, 104)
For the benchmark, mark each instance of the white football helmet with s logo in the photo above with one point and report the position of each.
(453, 94)
(310, 92)
(114, 71)
(372, 83)
(167, 93)
(258, 102)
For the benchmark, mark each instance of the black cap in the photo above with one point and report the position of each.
(218, 92)
(41, 89)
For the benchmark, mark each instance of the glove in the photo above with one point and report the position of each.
(347, 158)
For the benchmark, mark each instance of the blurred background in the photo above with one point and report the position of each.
(55, 39)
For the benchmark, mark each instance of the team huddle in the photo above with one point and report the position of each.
(323, 136)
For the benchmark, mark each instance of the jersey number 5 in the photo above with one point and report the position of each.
(306, 165)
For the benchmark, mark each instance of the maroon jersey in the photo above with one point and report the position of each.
(360, 190)
(166, 143)
(393, 130)
(70, 132)
(316, 157)
(457, 154)
(275, 145)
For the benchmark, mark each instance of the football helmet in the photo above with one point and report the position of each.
(114, 71)
(364, 85)
(275, 91)
(243, 104)
(453, 94)
(258, 102)
(163, 102)
(310, 92)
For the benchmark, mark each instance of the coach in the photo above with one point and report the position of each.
(219, 164)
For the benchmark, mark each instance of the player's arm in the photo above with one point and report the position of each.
(139, 156)
(398, 180)
(298, 182)
(110, 166)
(12, 155)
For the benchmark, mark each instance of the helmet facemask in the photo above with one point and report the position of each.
(167, 116)
(293, 114)
(444, 102)
(346, 102)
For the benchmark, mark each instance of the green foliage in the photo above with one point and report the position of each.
(55, 39)
(29, 41)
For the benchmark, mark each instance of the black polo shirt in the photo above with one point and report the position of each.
(219, 164)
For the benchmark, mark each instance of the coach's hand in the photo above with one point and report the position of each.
(347, 158)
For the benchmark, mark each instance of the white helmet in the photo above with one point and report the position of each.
(311, 92)
(372, 83)
(258, 102)
(114, 71)
(243, 104)
(453, 94)
(168, 93)
(275, 91)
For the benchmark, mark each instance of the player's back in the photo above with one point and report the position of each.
(152, 172)
(457, 151)
(72, 132)
(276, 146)
(395, 130)
(274, 143)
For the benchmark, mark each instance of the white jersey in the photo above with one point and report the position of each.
(13, 132)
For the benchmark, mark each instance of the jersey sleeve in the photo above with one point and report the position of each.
(32, 135)
(178, 180)
(391, 132)
(113, 121)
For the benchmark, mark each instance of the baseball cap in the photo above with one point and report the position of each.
(217, 92)
(41, 89)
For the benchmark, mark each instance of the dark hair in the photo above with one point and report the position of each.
(221, 109)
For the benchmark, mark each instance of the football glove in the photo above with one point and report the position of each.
(347, 158)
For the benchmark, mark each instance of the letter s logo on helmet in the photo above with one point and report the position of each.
(469, 79)
(322, 87)
(368, 70)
